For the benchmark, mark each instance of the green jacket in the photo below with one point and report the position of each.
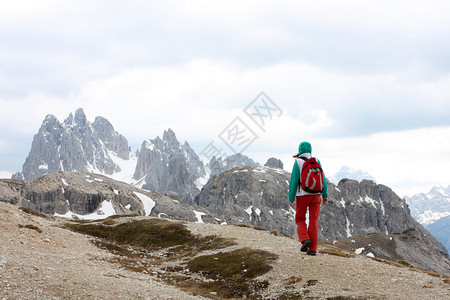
(304, 147)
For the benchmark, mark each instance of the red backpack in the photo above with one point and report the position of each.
(311, 176)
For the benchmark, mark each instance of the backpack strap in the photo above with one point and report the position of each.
(300, 177)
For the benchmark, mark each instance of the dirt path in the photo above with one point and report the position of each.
(328, 275)
(60, 264)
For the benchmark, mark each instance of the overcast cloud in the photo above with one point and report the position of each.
(366, 82)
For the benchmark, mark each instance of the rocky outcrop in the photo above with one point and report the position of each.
(161, 165)
(250, 195)
(259, 196)
(274, 163)
(94, 196)
(220, 165)
(74, 145)
(164, 165)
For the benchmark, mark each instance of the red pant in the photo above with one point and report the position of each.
(312, 232)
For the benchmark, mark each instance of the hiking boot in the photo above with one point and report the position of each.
(305, 245)
(313, 253)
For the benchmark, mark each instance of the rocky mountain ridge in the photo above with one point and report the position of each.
(257, 196)
(166, 165)
(75, 144)
(161, 165)
(249, 195)
(94, 196)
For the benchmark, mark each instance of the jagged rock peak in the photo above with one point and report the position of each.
(50, 118)
(168, 166)
(80, 117)
(69, 121)
(50, 123)
(170, 140)
(220, 165)
(75, 145)
(274, 163)
(169, 135)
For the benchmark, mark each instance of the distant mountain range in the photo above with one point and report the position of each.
(349, 173)
(161, 165)
(430, 207)
(432, 210)
(234, 189)
(377, 218)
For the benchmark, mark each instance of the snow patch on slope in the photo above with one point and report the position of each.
(105, 210)
(147, 202)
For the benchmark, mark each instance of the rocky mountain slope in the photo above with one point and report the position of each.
(249, 195)
(166, 165)
(75, 144)
(161, 165)
(218, 165)
(40, 258)
(258, 196)
(94, 196)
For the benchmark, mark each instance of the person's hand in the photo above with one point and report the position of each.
(325, 201)
(292, 203)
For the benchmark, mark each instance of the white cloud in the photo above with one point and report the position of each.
(407, 161)
(348, 72)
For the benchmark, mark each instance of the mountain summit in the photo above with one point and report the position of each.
(161, 165)
(74, 145)
(166, 165)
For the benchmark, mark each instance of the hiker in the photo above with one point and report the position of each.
(307, 196)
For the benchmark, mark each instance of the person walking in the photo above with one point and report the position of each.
(307, 198)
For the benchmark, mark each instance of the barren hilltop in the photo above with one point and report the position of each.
(136, 257)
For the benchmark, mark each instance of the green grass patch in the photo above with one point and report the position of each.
(232, 274)
(109, 222)
(145, 234)
(150, 235)
(115, 249)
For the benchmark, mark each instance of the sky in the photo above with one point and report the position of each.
(367, 83)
